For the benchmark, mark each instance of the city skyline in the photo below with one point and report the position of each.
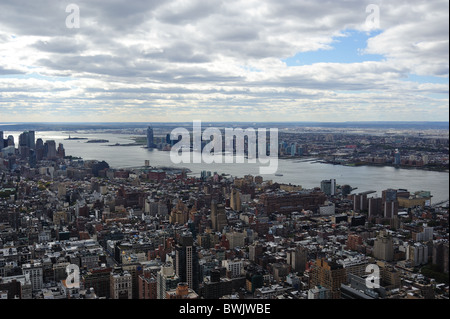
(81, 229)
(246, 154)
(223, 61)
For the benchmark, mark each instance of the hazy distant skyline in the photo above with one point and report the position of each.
(262, 61)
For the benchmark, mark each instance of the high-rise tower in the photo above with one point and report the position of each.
(166, 280)
(235, 200)
(31, 140)
(50, 149)
(186, 261)
(150, 138)
(218, 216)
(328, 187)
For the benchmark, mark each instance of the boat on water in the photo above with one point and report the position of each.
(277, 174)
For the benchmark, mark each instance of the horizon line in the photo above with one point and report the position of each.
(329, 122)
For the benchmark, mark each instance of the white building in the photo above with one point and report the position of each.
(319, 292)
(235, 267)
(355, 265)
(166, 280)
(121, 285)
(425, 235)
(417, 253)
(34, 271)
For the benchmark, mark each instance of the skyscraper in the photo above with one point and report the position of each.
(32, 158)
(1, 140)
(235, 200)
(61, 152)
(328, 187)
(10, 140)
(179, 214)
(166, 280)
(390, 203)
(255, 250)
(375, 206)
(27, 139)
(389, 195)
(218, 216)
(31, 140)
(23, 139)
(39, 149)
(297, 258)
(150, 138)
(186, 261)
(50, 149)
(293, 149)
(360, 202)
(390, 209)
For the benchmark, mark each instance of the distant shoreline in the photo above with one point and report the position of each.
(431, 169)
(380, 125)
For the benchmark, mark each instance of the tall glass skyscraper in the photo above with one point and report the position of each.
(31, 140)
(150, 140)
(328, 187)
(27, 139)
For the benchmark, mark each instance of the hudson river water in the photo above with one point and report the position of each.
(306, 174)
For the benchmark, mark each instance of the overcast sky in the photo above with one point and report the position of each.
(213, 60)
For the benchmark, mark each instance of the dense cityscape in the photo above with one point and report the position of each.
(224, 158)
(161, 233)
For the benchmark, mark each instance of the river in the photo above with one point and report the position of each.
(306, 174)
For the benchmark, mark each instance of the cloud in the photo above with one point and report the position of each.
(4, 71)
(416, 37)
(60, 45)
(180, 55)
